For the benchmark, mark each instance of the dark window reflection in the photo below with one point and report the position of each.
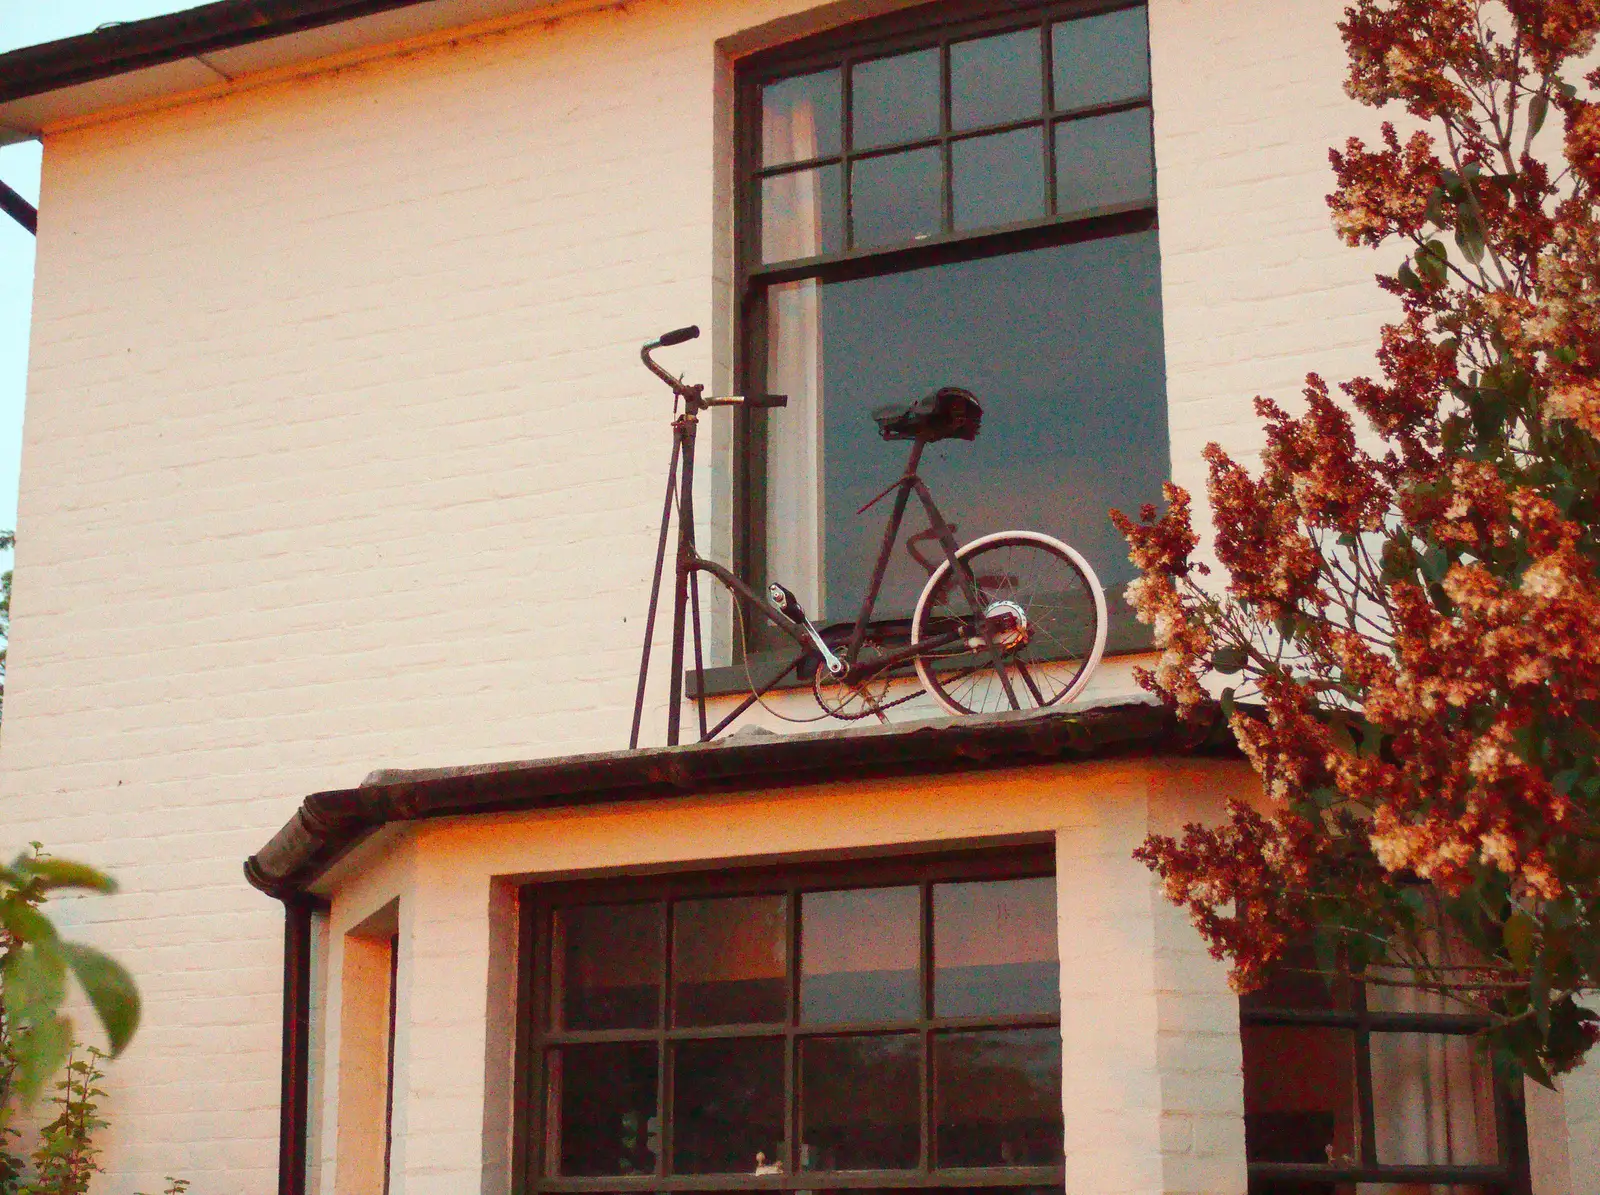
(1063, 348)
(858, 955)
(995, 79)
(802, 214)
(896, 197)
(1299, 1094)
(994, 948)
(607, 960)
(998, 179)
(997, 1098)
(1296, 983)
(602, 1101)
(859, 1099)
(727, 1106)
(800, 118)
(1104, 160)
(728, 961)
(894, 99)
(1101, 60)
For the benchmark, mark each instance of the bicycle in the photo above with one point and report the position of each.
(1013, 620)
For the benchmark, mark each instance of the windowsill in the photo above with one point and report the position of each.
(1125, 635)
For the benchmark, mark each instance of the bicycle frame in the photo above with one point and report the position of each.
(689, 564)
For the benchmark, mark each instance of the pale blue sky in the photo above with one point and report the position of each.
(27, 23)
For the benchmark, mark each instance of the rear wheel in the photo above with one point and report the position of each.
(1041, 606)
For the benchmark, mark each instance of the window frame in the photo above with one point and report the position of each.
(535, 1037)
(922, 27)
(1510, 1176)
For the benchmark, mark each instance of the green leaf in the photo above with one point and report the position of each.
(1430, 262)
(110, 989)
(63, 873)
(1469, 235)
(1228, 660)
(1407, 277)
(35, 983)
(40, 1049)
(24, 922)
(1435, 212)
(1538, 109)
(1519, 933)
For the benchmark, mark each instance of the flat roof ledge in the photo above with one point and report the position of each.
(329, 824)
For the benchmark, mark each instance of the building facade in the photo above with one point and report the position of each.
(339, 460)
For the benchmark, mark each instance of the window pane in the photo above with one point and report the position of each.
(858, 955)
(1075, 416)
(728, 961)
(802, 214)
(606, 961)
(994, 948)
(800, 118)
(859, 1102)
(1432, 1100)
(602, 1109)
(1295, 983)
(997, 1098)
(1101, 60)
(998, 179)
(995, 79)
(1299, 1095)
(894, 99)
(1104, 160)
(896, 197)
(727, 1106)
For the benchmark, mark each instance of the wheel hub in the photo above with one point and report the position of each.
(1007, 623)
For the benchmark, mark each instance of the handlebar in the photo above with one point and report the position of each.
(677, 336)
(693, 395)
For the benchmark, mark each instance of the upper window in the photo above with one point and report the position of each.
(1372, 1088)
(771, 1033)
(947, 199)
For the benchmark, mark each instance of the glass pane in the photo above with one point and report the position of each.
(994, 948)
(607, 966)
(1303, 1186)
(997, 1098)
(728, 961)
(1101, 60)
(802, 214)
(794, 439)
(602, 1108)
(998, 179)
(894, 99)
(994, 80)
(1104, 160)
(1432, 1100)
(727, 1106)
(800, 118)
(859, 1102)
(1296, 983)
(858, 955)
(1299, 1095)
(1072, 391)
(896, 197)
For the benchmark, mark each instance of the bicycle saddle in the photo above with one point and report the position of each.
(950, 413)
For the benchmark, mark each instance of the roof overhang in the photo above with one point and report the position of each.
(329, 824)
(137, 62)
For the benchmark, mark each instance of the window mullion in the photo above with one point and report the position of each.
(1363, 1060)
(847, 149)
(663, 1049)
(947, 220)
(791, 1049)
(1048, 92)
(925, 1088)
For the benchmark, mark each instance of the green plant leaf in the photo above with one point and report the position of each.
(1538, 109)
(24, 922)
(35, 982)
(1469, 235)
(110, 989)
(40, 1050)
(1519, 933)
(63, 873)
(1227, 660)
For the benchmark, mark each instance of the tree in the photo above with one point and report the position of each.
(1406, 641)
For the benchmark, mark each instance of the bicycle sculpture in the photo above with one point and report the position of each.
(1010, 621)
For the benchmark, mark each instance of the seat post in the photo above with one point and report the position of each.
(915, 459)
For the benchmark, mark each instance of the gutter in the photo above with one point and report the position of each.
(133, 45)
(329, 824)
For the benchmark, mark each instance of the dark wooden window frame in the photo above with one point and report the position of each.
(535, 1037)
(936, 25)
(1511, 1175)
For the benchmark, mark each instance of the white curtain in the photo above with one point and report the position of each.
(791, 227)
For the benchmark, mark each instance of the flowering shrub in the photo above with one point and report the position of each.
(1407, 638)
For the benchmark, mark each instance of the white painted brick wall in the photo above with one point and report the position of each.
(338, 454)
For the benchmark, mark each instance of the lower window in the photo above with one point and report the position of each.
(885, 1025)
(1372, 1090)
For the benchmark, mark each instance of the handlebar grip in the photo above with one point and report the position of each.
(679, 335)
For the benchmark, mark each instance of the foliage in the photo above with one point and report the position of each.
(66, 1157)
(1408, 630)
(34, 964)
(8, 541)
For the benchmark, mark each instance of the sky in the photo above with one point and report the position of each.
(27, 23)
